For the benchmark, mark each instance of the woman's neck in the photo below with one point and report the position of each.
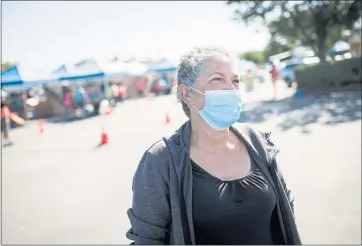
(206, 137)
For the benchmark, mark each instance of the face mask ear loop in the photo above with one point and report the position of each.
(197, 90)
(192, 88)
(195, 108)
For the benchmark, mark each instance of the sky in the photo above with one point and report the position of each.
(49, 34)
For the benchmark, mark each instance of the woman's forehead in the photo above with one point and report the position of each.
(226, 66)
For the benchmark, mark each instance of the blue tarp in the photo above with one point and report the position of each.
(79, 77)
(73, 72)
(91, 68)
(21, 78)
(87, 69)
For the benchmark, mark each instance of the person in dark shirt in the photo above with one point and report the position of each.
(212, 181)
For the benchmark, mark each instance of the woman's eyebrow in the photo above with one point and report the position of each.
(216, 73)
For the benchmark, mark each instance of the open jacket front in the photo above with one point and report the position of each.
(161, 211)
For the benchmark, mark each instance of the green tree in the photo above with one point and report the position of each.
(312, 23)
(275, 47)
(255, 56)
(6, 65)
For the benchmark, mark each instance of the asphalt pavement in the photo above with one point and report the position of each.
(59, 187)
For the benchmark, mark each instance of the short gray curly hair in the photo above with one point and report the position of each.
(191, 64)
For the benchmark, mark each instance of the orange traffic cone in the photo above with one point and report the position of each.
(104, 137)
(167, 118)
(41, 126)
(108, 111)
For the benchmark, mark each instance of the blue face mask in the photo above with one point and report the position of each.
(222, 108)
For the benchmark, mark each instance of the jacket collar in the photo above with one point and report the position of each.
(184, 135)
(264, 150)
(259, 145)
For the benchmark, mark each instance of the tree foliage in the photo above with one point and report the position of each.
(317, 24)
(6, 65)
(276, 47)
(255, 56)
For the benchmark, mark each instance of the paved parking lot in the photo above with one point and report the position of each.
(60, 188)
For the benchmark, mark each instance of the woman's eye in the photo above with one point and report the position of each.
(216, 80)
(236, 81)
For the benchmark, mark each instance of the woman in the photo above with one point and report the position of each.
(210, 183)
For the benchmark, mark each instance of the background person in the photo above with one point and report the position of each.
(68, 101)
(139, 87)
(274, 77)
(249, 81)
(5, 123)
(80, 99)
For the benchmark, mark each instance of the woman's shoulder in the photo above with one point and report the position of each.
(165, 150)
(255, 133)
(158, 153)
(157, 161)
(164, 146)
(251, 129)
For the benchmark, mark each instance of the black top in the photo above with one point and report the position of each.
(233, 212)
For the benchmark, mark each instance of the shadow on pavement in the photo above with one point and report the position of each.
(329, 109)
(100, 145)
(69, 119)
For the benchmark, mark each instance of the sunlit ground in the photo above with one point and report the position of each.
(60, 188)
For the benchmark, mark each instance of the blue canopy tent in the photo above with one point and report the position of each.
(99, 69)
(20, 78)
(75, 72)
(92, 68)
(95, 68)
(161, 67)
(78, 73)
(81, 76)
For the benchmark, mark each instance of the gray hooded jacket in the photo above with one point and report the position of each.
(161, 211)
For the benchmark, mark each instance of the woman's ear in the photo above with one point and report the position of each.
(184, 93)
